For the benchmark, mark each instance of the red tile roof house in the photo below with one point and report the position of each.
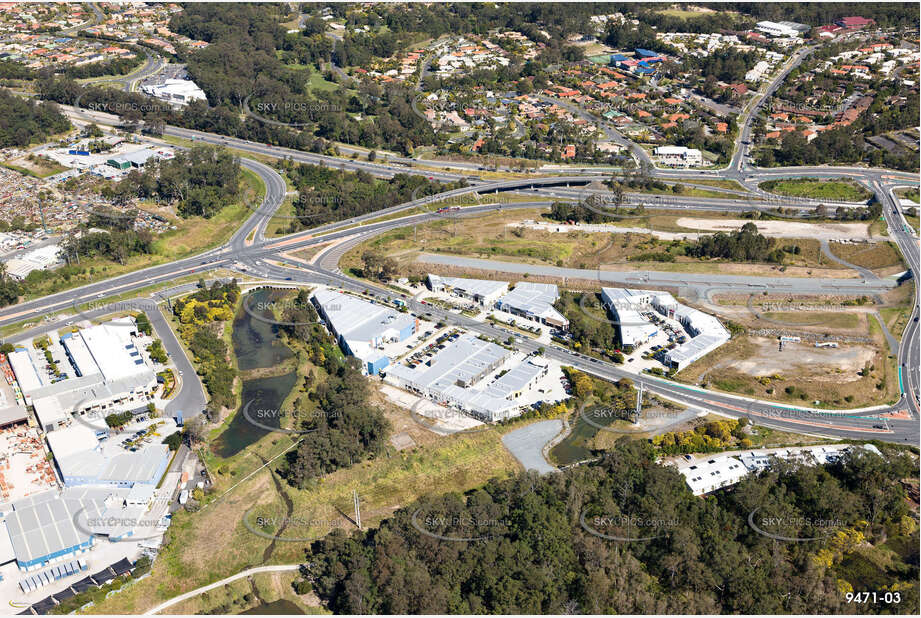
(854, 23)
(722, 127)
(569, 152)
(829, 31)
(739, 89)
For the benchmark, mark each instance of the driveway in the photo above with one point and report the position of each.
(526, 444)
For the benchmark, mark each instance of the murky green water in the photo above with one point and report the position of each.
(575, 446)
(257, 345)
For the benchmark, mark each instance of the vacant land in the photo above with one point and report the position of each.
(909, 194)
(883, 257)
(512, 235)
(32, 165)
(852, 375)
(449, 463)
(780, 229)
(841, 189)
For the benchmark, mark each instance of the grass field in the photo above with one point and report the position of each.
(446, 464)
(909, 194)
(717, 182)
(248, 593)
(842, 189)
(688, 192)
(898, 313)
(682, 14)
(875, 256)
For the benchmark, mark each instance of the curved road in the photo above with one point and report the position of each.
(248, 257)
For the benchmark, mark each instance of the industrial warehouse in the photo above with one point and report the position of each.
(106, 480)
(626, 306)
(483, 291)
(458, 376)
(361, 327)
(104, 370)
(535, 302)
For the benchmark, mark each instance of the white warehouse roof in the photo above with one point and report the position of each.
(534, 299)
(115, 355)
(486, 289)
(358, 320)
(713, 474)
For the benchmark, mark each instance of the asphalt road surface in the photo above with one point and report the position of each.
(251, 258)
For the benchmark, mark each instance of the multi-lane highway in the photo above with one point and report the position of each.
(248, 251)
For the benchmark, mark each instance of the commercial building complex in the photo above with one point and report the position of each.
(362, 327)
(452, 376)
(721, 471)
(679, 156)
(176, 91)
(108, 373)
(705, 331)
(535, 302)
(623, 305)
(483, 291)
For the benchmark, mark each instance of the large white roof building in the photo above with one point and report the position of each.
(679, 155)
(713, 474)
(451, 378)
(362, 327)
(178, 91)
(534, 301)
(111, 374)
(706, 332)
(484, 291)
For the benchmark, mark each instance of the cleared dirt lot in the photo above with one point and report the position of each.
(803, 359)
(784, 229)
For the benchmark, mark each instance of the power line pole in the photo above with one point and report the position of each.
(639, 404)
(357, 509)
